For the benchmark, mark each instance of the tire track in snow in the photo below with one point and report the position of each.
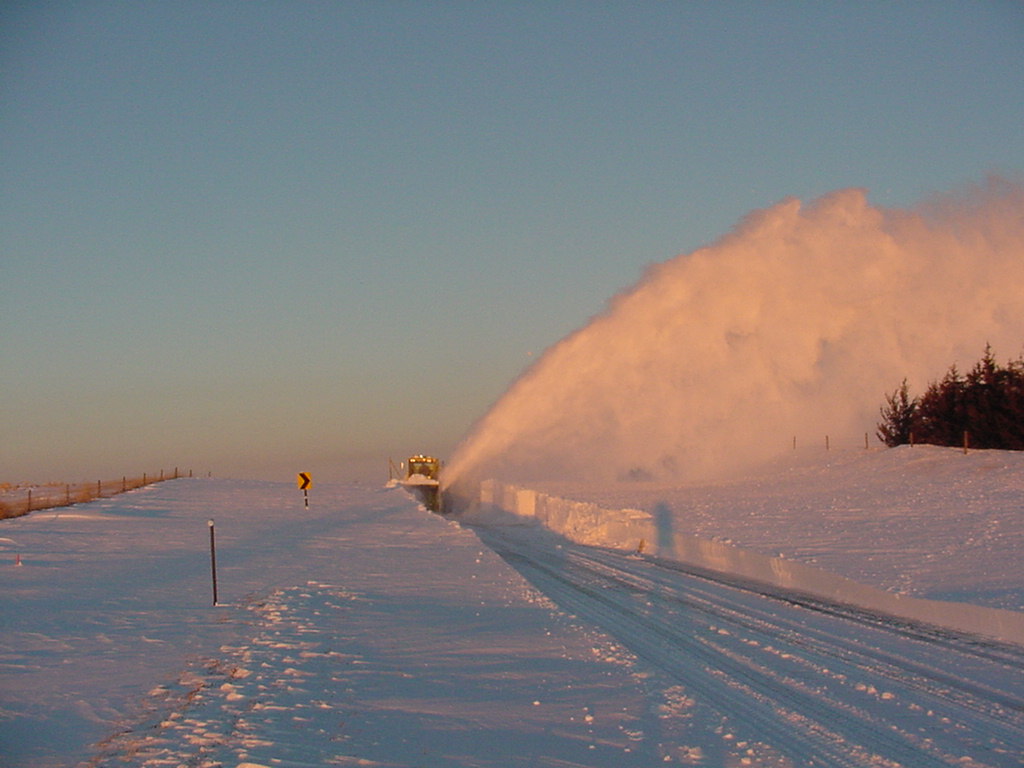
(733, 693)
(823, 686)
(929, 675)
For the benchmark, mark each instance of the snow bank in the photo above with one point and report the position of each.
(654, 534)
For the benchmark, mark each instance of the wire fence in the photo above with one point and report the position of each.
(16, 501)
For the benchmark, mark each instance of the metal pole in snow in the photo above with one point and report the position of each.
(213, 560)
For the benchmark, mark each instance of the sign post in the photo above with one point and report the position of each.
(305, 482)
(213, 560)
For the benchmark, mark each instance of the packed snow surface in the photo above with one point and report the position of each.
(368, 631)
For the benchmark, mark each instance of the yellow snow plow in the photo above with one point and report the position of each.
(422, 477)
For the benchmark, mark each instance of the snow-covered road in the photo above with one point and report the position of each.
(781, 675)
(368, 631)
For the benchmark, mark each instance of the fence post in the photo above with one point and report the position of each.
(28, 506)
(966, 440)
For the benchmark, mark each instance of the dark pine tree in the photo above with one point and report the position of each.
(942, 412)
(999, 402)
(983, 401)
(1012, 430)
(898, 417)
(987, 404)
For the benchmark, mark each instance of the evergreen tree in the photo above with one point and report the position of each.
(941, 411)
(1012, 431)
(898, 415)
(987, 404)
(983, 401)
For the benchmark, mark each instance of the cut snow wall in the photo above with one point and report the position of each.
(632, 529)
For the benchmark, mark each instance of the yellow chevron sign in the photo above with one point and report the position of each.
(305, 481)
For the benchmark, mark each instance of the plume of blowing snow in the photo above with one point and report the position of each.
(796, 324)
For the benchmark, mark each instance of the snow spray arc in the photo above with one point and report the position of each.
(797, 322)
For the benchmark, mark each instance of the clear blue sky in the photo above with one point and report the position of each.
(258, 238)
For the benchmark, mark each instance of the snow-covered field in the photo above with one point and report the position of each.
(367, 631)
